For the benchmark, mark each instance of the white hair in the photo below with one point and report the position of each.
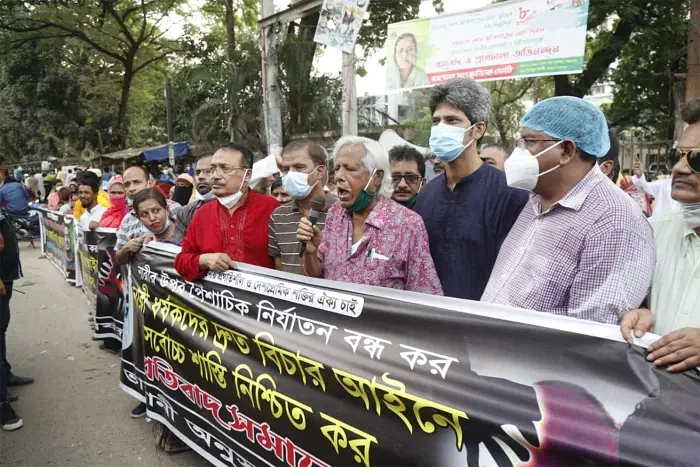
(375, 158)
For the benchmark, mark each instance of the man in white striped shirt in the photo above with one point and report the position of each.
(304, 172)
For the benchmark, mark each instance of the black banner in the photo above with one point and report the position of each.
(88, 256)
(109, 311)
(257, 368)
(58, 241)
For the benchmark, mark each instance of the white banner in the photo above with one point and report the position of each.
(515, 39)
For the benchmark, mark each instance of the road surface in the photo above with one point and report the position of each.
(74, 413)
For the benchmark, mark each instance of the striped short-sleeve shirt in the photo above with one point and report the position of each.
(282, 233)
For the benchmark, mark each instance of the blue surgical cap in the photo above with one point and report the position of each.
(571, 118)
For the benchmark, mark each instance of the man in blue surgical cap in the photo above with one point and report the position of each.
(580, 248)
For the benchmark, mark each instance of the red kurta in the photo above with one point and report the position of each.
(243, 235)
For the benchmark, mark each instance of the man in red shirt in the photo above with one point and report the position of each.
(232, 229)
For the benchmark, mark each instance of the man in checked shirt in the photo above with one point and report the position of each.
(580, 247)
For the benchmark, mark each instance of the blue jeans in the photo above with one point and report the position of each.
(4, 322)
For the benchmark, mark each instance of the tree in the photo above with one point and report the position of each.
(125, 32)
(646, 73)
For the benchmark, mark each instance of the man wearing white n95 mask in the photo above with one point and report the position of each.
(580, 247)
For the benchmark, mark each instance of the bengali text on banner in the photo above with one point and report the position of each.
(515, 39)
(255, 367)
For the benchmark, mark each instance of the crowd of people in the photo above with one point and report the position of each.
(545, 228)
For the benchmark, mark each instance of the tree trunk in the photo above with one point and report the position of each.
(122, 118)
(562, 86)
(305, 38)
(231, 56)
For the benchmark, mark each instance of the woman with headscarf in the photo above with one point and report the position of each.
(113, 216)
(402, 71)
(183, 192)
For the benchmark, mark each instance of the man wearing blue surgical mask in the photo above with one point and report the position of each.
(304, 171)
(469, 209)
(580, 248)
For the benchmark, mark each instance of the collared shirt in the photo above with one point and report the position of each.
(393, 251)
(15, 196)
(242, 235)
(590, 256)
(93, 215)
(131, 227)
(466, 227)
(282, 233)
(660, 190)
(675, 292)
(182, 220)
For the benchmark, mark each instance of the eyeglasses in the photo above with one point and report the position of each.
(693, 155)
(523, 143)
(225, 169)
(411, 179)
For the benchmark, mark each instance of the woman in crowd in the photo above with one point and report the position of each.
(63, 200)
(183, 191)
(53, 198)
(113, 216)
(151, 208)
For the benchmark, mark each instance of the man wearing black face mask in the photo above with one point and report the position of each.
(407, 174)
(202, 194)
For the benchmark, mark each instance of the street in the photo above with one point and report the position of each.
(74, 414)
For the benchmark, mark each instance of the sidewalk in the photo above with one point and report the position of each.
(74, 414)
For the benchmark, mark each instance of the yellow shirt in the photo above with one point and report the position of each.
(675, 291)
(102, 199)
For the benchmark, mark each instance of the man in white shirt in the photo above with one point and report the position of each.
(660, 190)
(88, 188)
(675, 291)
(40, 187)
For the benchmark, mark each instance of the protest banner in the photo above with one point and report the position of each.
(515, 39)
(258, 367)
(109, 314)
(58, 241)
(87, 264)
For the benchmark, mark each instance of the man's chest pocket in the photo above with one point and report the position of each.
(379, 267)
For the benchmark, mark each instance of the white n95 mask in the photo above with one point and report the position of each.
(522, 169)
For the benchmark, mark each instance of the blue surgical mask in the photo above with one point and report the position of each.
(447, 141)
(297, 184)
(167, 225)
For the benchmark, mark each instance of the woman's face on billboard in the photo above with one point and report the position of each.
(406, 53)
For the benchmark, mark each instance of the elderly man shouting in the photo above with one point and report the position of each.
(580, 248)
(368, 238)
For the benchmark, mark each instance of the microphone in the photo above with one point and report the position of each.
(317, 204)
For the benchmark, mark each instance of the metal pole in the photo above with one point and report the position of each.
(169, 116)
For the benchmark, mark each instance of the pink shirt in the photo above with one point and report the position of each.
(393, 252)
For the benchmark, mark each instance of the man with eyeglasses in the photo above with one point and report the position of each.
(407, 174)
(203, 194)
(232, 229)
(675, 291)
(303, 165)
(580, 248)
